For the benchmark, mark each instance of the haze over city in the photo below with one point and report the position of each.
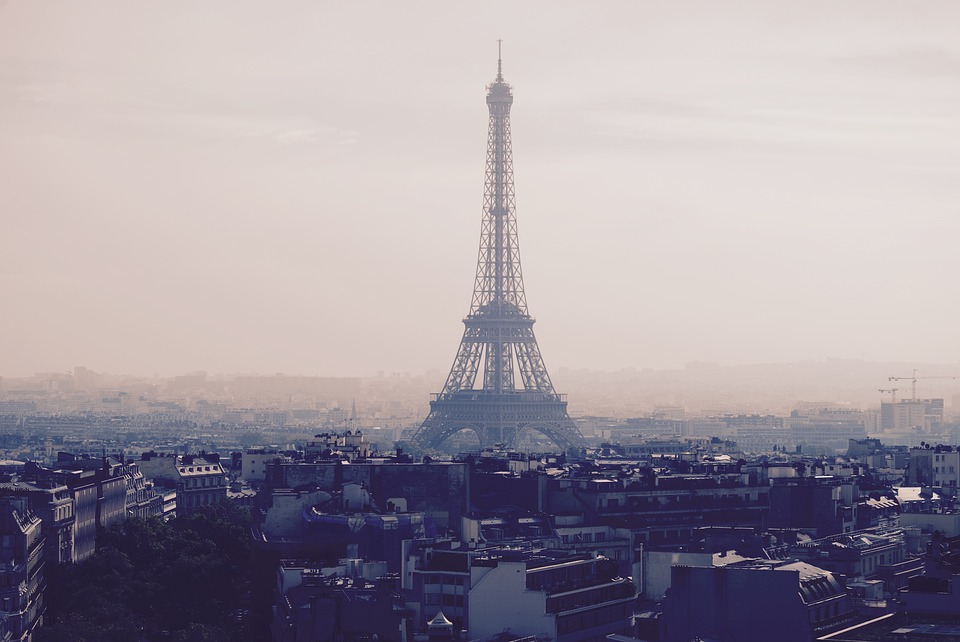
(272, 370)
(233, 187)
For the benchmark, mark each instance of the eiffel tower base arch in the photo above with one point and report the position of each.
(498, 418)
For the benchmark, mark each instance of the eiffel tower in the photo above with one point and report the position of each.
(498, 330)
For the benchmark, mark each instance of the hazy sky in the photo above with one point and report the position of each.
(296, 186)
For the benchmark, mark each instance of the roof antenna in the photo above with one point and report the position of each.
(499, 62)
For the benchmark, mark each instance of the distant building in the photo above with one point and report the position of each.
(656, 568)
(350, 445)
(201, 481)
(651, 447)
(439, 489)
(85, 507)
(241, 495)
(17, 407)
(831, 434)
(315, 606)
(490, 529)
(161, 468)
(937, 467)
(646, 427)
(554, 594)
(661, 508)
(906, 414)
(947, 523)
(764, 439)
(254, 462)
(185, 482)
(110, 477)
(142, 500)
(877, 554)
(565, 598)
(98, 487)
(754, 601)
(825, 506)
(21, 570)
(53, 504)
(169, 496)
(861, 448)
(887, 463)
(931, 596)
(302, 523)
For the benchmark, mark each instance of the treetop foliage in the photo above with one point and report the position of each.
(186, 579)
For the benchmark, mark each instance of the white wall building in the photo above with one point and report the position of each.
(253, 463)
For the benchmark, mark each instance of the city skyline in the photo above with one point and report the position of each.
(232, 189)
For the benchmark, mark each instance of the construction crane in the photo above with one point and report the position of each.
(893, 393)
(914, 378)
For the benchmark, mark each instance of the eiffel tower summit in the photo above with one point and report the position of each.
(517, 393)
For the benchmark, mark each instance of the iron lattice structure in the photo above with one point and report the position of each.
(498, 330)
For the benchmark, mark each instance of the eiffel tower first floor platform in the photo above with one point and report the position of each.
(498, 418)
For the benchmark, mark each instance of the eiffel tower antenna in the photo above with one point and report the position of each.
(499, 61)
(498, 330)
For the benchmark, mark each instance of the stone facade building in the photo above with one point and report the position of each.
(21, 570)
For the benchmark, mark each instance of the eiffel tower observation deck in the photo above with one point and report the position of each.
(517, 393)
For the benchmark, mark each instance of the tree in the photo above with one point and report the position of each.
(151, 580)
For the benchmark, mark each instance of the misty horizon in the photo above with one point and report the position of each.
(241, 190)
(898, 369)
(699, 388)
